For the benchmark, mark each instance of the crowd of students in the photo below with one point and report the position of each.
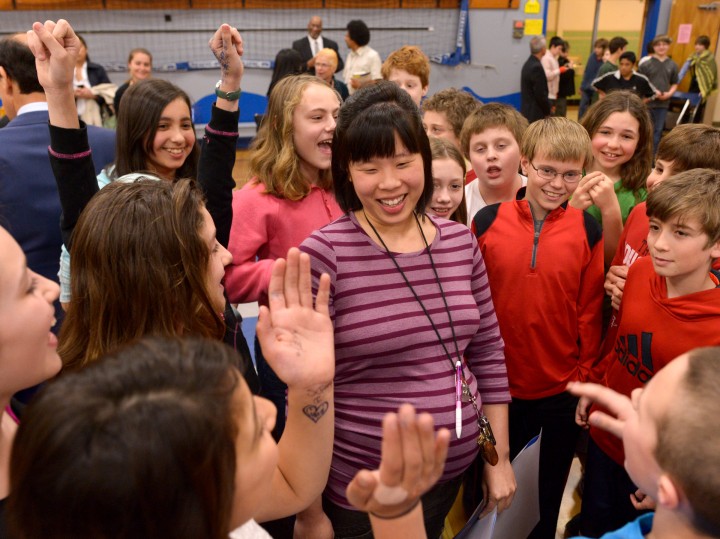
(446, 304)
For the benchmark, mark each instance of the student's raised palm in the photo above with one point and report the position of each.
(297, 338)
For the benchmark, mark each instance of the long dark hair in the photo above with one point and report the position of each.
(287, 62)
(137, 123)
(139, 268)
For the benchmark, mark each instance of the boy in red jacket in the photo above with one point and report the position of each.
(671, 304)
(545, 268)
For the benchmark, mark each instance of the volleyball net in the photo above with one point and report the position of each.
(176, 32)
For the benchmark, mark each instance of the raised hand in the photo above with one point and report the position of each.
(227, 46)
(296, 338)
(56, 48)
(413, 459)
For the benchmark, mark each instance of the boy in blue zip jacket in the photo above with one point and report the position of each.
(545, 269)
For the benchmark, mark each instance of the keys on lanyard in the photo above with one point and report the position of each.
(486, 441)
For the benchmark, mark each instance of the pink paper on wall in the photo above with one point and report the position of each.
(684, 32)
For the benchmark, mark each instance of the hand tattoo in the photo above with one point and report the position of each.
(224, 63)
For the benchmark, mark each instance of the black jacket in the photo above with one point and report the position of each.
(303, 47)
(534, 102)
(97, 75)
(567, 79)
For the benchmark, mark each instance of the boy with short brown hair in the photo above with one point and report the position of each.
(663, 73)
(671, 303)
(445, 111)
(490, 140)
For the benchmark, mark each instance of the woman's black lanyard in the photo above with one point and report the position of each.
(417, 298)
(462, 391)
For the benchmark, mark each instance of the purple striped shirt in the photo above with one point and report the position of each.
(386, 350)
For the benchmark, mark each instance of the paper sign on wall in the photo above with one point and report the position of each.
(684, 32)
(533, 27)
(532, 6)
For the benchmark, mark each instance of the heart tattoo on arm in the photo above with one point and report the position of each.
(320, 406)
(315, 412)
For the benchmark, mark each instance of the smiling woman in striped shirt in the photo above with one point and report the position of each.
(411, 307)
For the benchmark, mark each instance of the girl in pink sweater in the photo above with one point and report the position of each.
(289, 197)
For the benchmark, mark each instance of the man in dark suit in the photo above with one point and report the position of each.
(29, 200)
(313, 43)
(534, 102)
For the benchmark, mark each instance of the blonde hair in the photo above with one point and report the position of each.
(274, 162)
(330, 55)
(558, 139)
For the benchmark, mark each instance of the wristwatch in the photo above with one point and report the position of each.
(230, 96)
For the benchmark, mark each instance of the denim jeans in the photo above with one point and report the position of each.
(658, 118)
(585, 102)
(437, 503)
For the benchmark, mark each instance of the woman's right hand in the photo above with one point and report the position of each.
(56, 48)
